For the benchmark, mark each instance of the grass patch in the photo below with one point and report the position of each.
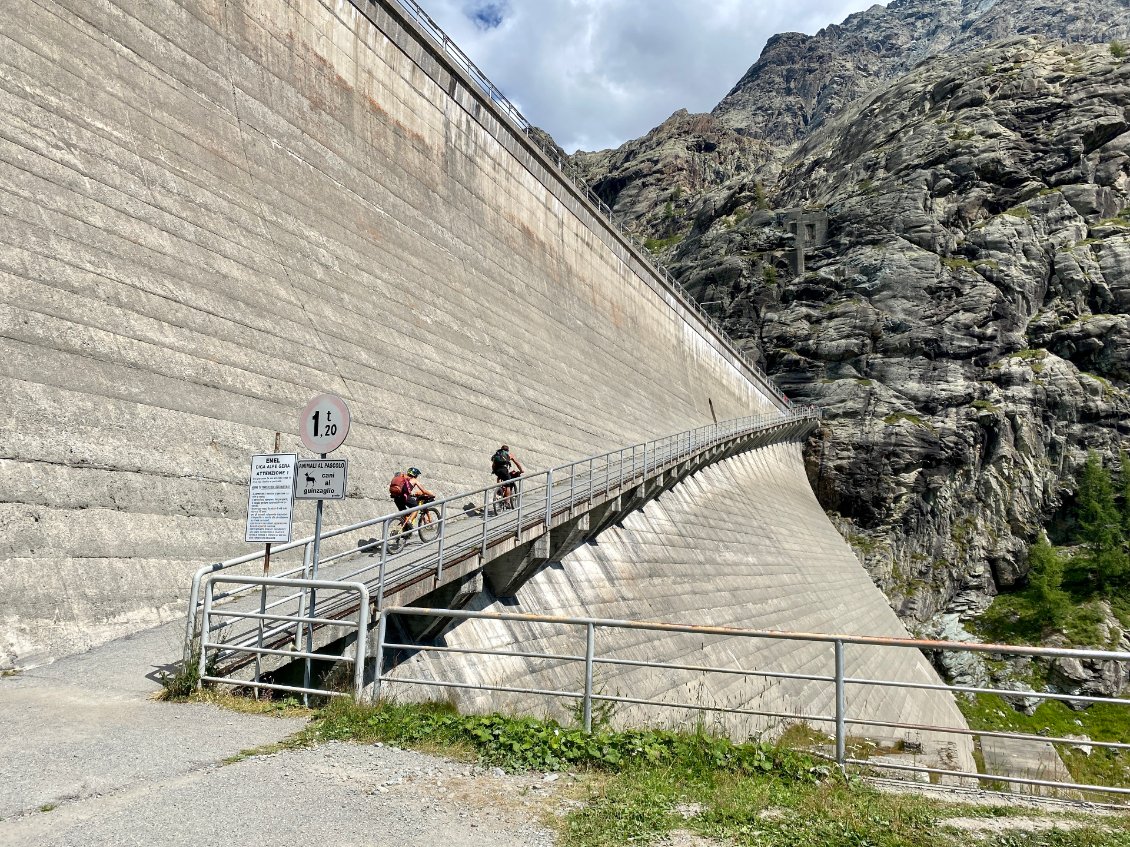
(519, 743)
(288, 707)
(1018, 212)
(865, 544)
(658, 245)
(48, 807)
(899, 417)
(1100, 722)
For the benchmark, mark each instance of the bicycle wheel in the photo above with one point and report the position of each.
(501, 499)
(427, 525)
(396, 538)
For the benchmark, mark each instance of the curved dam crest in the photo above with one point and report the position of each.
(214, 211)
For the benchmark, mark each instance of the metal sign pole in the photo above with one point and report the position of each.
(312, 605)
(322, 426)
(263, 594)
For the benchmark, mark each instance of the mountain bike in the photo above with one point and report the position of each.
(424, 522)
(504, 495)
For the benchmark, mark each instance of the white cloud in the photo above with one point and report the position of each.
(595, 73)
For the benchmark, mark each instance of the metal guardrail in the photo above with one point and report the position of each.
(360, 626)
(841, 718)
(471, 525)
(570, 174)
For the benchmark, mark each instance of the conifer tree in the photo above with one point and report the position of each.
(1124, 479)
(1100, 524)
(1045, 577)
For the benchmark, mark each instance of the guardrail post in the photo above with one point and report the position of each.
(362, 639)
(572, 485)
(591, 458)
(202, 665)
(486, 504)
(190, 625)
(841, 708)
(590, 638)
(302, 597)
(548, 498)
(442, 530)
(518, 523)
(382, 624)
(383, 565)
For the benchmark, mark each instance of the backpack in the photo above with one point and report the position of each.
(398, 484)
(500, 460)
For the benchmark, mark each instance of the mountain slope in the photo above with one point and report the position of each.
(966, 324)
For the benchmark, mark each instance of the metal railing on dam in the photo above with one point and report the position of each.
(850, 731)
(570, 175)
(470, 530)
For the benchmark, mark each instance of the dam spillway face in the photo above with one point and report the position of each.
(215, 211)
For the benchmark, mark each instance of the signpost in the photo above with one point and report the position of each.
(270, 512)
(322, 425)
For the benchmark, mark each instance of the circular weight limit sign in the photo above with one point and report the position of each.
(324, 423)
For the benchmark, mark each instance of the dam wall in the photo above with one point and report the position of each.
(213, 211)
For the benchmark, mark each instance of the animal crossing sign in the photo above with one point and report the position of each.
(324, 423)
(320, 479)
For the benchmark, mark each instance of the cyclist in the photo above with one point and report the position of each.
(500, 463)
(405, 491)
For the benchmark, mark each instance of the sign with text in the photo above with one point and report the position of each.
(324, 423)
(270, 498)
(320, 479)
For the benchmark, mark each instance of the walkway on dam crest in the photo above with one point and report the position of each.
(475, 541)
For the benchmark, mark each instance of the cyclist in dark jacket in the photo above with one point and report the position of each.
(500, 464)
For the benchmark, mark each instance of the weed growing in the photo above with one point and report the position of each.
(517, 743)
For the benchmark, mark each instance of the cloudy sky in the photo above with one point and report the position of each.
(595, 73)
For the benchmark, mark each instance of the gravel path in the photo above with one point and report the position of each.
(90, 758)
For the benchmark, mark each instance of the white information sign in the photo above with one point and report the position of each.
(324, 423)
(270, 498)
(320, 479)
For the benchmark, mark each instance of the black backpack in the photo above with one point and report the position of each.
(500, 461)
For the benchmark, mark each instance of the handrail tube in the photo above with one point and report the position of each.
(775, 634)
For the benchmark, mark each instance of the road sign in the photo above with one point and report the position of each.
(324, 423)
(320, 479)
(270, 498)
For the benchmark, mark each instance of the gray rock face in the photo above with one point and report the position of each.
(962, 327)
(965, 323)
(801, 81)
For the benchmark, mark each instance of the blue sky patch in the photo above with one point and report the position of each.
(487, 15)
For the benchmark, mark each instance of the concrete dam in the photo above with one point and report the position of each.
(214, 210)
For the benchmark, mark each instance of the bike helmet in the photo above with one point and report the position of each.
(413, 472)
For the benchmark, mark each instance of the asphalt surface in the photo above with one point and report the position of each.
(90, 758)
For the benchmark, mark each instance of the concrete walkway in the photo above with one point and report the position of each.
(91, 758)
(1027, 759)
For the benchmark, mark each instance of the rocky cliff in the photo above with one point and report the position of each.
(965, 319)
